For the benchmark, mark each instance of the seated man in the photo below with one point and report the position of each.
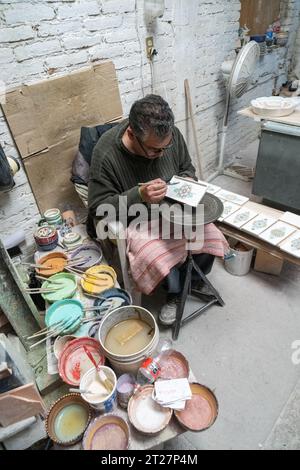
(148, 148)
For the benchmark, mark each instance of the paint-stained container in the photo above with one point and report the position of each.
(99, 398)
(125, 389)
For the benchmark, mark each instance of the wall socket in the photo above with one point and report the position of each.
(149, 46)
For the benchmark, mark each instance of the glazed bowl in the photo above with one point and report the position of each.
(109, 432)
(68, 419)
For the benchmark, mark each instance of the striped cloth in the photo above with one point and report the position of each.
(151, 259)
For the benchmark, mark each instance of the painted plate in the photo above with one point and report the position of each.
(66, 286)
(74, 362)
(70, 311)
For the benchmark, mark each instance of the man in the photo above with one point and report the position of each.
(148, 148)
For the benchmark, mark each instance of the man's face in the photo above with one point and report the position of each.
(152, 146)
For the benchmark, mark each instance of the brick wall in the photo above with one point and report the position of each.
(40, 38)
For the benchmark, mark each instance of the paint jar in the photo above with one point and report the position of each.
(103, 402)
(125, 389)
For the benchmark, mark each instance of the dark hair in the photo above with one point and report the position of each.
(151, 113)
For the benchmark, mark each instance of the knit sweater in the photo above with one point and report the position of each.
(116, 171)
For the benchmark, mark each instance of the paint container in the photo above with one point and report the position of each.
(107, 278)
(128, 363)
(120, 298)
(53, 217)
(46, 238)
(72, 240)
(67, 419)
(66, 288)
(147, 416)
(200, 411)
(105, 402)
(173, 366)
(74, 363)
(109, 432)
(125, 389)
(90, 253)
(59, 344)
(56, 261)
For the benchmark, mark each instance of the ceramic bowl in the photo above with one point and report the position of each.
(56, 408)
(141, 404)
(201, 411)
(99, 437)
(55, 261)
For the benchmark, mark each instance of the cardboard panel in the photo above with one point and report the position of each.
(45, 119)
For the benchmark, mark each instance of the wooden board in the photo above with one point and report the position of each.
(259, 14)
(19, 404)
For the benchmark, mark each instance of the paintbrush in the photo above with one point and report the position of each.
(150, 182)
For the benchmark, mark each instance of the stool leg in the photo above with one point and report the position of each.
(180, 307)
(206, 281)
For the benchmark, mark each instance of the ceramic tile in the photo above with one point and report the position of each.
(186, 191)
(229, 208)
(291, 219)
(232, 197)
(240, 217)
(292, 244)
(277, 233)
(212, 189)
(259, 224)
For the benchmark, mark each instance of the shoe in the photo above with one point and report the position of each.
(202, 288)
(167, 314)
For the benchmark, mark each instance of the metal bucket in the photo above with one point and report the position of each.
(238, 262)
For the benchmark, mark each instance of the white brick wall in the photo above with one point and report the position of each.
(39, 38)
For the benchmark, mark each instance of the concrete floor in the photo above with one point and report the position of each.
(243, 352)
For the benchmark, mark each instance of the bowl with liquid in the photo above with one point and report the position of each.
(68, 419)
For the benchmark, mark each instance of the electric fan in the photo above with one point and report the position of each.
(237, 75)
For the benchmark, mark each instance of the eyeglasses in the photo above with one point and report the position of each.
(153, 149)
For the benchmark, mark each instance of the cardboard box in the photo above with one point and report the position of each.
(45, 119)
(267, 263)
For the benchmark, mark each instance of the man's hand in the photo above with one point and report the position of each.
(153, 191)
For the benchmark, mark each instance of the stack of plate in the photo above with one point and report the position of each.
(72, 240)
(46, 237)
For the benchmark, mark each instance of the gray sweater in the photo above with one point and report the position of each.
(115, 171)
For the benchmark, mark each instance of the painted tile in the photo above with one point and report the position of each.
(277, 233)
(186, 191)
(290, 218)
(292, 244)
(229, 208)
(241, 217)
(259, 224)
(232, 197)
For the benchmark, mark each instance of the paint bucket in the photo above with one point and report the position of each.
(238, 261)
(128, 363)
(105, 403)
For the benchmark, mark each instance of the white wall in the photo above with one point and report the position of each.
(40, 38)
